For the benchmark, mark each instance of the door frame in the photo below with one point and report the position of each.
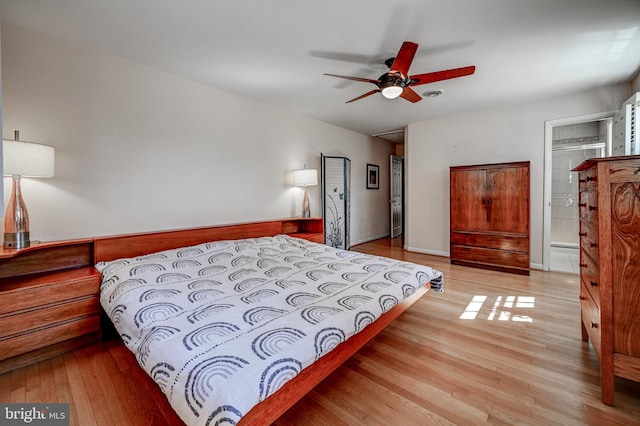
(548, 168)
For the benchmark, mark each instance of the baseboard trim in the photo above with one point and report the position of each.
(424, 251)
(366, 240)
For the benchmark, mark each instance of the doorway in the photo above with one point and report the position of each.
(396, 195)
(568, 143)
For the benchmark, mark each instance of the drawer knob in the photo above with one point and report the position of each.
(592, 208)
(583, 265)
(593, 245)
(591, 178)
(594, 325)
(582, 297)
(582, 234)
(582, 204)
(594, 284)
(582, 180)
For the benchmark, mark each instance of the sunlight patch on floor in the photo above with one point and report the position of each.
(502, 309)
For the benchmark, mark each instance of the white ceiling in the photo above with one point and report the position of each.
(276, 51)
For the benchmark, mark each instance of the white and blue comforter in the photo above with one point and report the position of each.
(223, 325)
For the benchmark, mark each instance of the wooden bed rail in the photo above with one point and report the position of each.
(268, 411)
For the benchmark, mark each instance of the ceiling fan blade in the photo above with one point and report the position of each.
(346, 77)
(404, 58)
(432, 77)
(409, 94)
(363, 96)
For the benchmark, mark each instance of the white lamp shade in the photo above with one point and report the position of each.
(305, 177)
(27, 159)
(392, 92)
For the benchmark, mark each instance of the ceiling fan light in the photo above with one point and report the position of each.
(391, 92)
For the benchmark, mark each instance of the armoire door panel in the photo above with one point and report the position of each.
(468, 200)
(508, 195)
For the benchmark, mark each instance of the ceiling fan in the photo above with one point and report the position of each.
(397, 82)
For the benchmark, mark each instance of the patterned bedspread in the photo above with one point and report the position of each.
(223, 325)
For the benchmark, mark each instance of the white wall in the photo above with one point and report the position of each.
(138, 149)
(491, 136)
(635, 84)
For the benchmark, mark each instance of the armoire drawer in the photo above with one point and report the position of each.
(591, 319)
(490, 256)
(491, 241)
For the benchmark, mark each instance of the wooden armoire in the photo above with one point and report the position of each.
(490, 216)
(610, 265)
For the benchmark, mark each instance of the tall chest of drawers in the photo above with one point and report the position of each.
(610, 265)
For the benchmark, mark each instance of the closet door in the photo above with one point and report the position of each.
(468, 198)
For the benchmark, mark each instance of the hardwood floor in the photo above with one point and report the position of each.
(495, 348)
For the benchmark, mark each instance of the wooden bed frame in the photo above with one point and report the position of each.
(267, 411)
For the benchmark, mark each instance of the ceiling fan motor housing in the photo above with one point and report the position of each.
(392, 79)
(392, 84)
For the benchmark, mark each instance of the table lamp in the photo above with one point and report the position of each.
(305, 178)
(22, 159)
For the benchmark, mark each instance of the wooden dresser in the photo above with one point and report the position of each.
(489, 218)
(48, 301)
(610, 265)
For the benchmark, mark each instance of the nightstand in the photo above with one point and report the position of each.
(309, 228)
(49, 302)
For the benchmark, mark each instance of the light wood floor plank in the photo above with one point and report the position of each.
(80, 404)
(517, 359)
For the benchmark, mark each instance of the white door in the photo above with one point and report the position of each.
(396, 167)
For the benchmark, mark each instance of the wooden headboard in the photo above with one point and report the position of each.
(131, 245)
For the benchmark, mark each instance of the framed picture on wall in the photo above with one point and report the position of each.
(373, 176)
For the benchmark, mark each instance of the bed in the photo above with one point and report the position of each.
(237, 330)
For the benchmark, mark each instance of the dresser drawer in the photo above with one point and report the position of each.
(590, 277)
(589, 241)
(24, 343)
(587, 179)
(591, 319)
(47, 316)
(26, 293)
(589, 207)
